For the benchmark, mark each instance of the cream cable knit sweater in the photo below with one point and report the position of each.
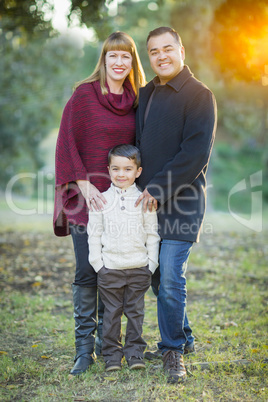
(123, 236)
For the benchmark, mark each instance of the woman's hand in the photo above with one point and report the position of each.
(94, 199)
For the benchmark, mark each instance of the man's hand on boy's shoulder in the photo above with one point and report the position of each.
(148, 201)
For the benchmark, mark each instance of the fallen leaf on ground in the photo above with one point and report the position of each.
(230, 324)
(110, 378)
(36, 284)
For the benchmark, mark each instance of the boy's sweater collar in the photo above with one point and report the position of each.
(130, 190)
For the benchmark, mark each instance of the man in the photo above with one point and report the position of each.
(175, 133)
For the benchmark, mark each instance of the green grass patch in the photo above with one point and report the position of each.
(227, 308)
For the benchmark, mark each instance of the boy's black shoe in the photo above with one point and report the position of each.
(136, 363)
(112, 365)
(153, 355)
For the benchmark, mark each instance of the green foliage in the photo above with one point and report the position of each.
(93, 13)
(33, 17)
(88, 62)
(229, 166)
(25, 16)
(35, 78)
(88, 10)
(192, 20)
(240, 123)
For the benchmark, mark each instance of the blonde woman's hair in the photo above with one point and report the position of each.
(118, 41)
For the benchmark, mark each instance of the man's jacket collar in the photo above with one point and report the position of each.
(180, 79)
(177, 82)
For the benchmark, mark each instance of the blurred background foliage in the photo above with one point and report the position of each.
(226, 44)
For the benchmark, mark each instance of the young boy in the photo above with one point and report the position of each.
(124, 245)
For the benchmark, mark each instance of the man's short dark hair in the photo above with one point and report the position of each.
(126, 150)
(161, 31)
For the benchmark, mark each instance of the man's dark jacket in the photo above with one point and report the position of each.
(175, 145)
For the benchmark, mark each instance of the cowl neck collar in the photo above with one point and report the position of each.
(110, 101)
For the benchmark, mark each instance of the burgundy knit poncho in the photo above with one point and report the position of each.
(91, 125)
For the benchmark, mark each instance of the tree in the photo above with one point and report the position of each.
(33, 17)
(34, 81)
(26, 16)
(34, 72)
(93, 13)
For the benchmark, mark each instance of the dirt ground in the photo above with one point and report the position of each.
(34, 261)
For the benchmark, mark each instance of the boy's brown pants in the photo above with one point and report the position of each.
(122, 292)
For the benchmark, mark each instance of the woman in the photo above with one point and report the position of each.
(99, 115)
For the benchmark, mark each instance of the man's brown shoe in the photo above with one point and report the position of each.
(174, 366)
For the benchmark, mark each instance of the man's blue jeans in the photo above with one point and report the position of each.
(173, 323)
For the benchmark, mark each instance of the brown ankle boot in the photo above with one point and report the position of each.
(174, 366)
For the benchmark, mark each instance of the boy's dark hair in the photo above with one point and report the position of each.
(126, 150)
(162, 30)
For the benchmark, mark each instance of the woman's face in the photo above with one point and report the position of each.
(118, 65)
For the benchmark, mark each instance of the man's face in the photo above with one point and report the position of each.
(166, 56)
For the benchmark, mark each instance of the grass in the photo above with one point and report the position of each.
(227, 307)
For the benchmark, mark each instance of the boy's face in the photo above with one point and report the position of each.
(123, 171)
